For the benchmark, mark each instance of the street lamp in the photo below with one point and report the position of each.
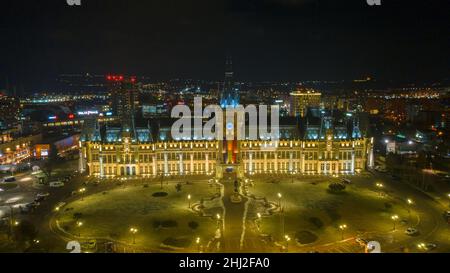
(380, 186)
(133, 232)
(82, 190)
(394, 219)
(218, 220)
(287, 238)
(342, 228)
(279, 200)
(422, 246)
(79, 225)
(258, 220)
(197, 241)
(189, 200)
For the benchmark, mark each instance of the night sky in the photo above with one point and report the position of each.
(270, 40)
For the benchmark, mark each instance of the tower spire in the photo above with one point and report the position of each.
(230, 97)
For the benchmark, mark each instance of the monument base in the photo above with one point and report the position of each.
(236, 198)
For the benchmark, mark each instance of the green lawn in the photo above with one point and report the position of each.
(310, 207)
(7, 186)
(156, 218)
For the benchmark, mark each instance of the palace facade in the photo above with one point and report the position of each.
(320, 142)
(326, 148)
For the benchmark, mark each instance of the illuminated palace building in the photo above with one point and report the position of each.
(322, 143)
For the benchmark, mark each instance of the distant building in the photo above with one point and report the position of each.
(9, 112)
(16, 149)
(125, 98)
(302, 99)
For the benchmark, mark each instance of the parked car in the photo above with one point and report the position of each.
(447, 216)
(41, 197)
(45, 195)
(411, 231)
(25, 209)
(34, 204)
(380, 169)
(396, 177)
(56, 184)
(8, 179)
(346, 181)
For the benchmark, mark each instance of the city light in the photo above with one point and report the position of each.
(342, 228)
(133, 231)
(394, 220)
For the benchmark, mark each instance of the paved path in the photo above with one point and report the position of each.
(239, 234)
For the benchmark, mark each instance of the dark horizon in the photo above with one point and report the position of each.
(270, 40)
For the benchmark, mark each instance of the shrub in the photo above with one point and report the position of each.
(316, 222)
(336, 187)
(160, 194)
(387, 206)
(77, 215)
(305, 237)
(193, 225)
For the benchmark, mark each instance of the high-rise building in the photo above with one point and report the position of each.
(124, 97)
(9, 112)
(302, 99)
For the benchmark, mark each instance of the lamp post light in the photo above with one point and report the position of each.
(258, 220)
(79, 225)
(410, 204)
(342, 228)
(133, 233)
(279, 200)
(82, 191)
(281, 214)
(421, 246)
(394, 219)
(287, 238)
(380, 186)
(197, 241)
(218, 220)
(189, 200)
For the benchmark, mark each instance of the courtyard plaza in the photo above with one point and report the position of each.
(275, 214)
